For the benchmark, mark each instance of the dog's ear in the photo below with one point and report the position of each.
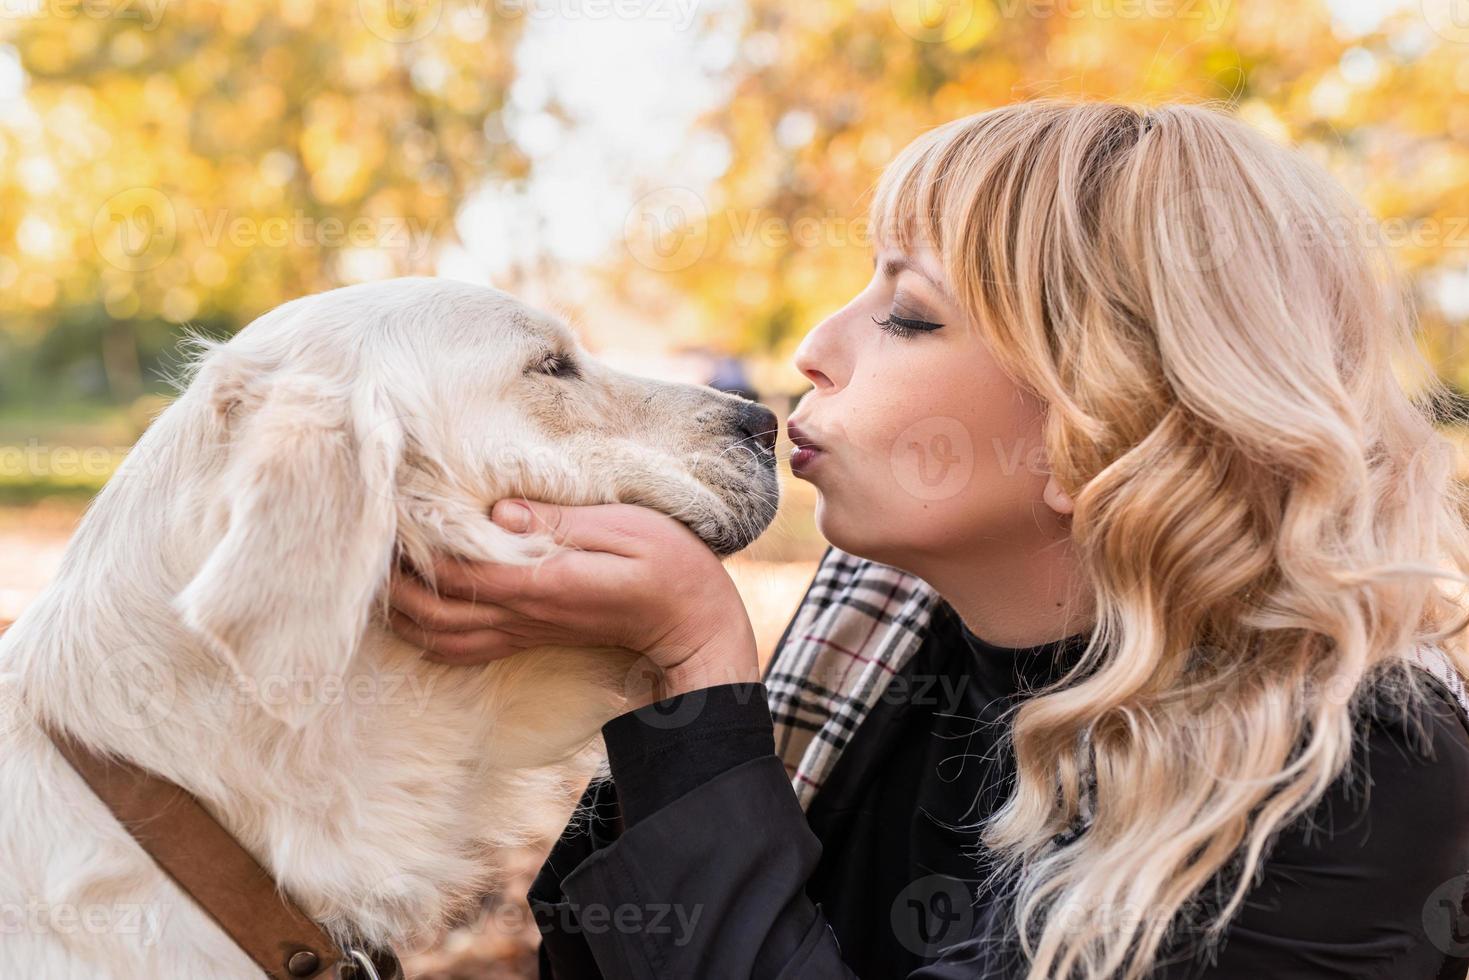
(308, 498)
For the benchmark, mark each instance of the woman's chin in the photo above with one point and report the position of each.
(853, 537)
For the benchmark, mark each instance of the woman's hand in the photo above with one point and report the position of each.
(630, 577)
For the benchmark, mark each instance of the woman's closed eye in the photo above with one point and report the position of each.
(903, 326)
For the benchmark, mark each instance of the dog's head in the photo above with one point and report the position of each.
(342, 428)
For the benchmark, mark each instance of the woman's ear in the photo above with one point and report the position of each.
(1056, 498)
(309, 490)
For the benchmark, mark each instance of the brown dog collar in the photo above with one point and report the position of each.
(222, 877)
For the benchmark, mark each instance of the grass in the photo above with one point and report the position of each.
(65, 452)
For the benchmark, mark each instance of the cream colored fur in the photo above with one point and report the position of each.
(219, 620)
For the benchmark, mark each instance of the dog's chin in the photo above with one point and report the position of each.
(730, 525)
(728, 541)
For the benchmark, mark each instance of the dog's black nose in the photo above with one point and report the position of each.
(759, 424)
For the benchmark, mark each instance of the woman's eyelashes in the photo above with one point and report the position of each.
(902, 326)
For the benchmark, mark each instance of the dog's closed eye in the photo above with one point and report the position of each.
(556, 364)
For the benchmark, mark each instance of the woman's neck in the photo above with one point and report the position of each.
(1013, 597)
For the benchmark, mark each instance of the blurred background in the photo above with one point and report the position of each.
(685, 180)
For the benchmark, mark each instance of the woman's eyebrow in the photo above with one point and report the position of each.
(893, 266)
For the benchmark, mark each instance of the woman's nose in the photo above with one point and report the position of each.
(806, 361)
(817, 378)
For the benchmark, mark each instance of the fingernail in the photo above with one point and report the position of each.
(513, 516)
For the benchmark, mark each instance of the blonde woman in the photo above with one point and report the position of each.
(1137, 652)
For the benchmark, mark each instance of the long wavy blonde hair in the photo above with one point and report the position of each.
(1267, 516)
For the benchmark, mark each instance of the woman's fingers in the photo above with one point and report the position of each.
(449, 630)
(623, 576)
(412, 597)
(523, 586)
(456, 649)
(609, 528)
(599, 542)
(473, 581)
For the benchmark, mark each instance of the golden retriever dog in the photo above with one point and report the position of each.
(219, 619)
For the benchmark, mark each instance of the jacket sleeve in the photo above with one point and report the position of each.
(705, 874)
(692, 861)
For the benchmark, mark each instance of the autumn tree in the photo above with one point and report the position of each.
(824, 94)
(200, 162)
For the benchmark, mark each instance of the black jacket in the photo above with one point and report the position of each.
(696, 861)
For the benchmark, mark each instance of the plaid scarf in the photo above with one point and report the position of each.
(857, 626)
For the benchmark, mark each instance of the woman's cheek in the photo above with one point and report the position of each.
(955, 470)
(893, 495)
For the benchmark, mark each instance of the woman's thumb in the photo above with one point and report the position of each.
(593, 527)
(513, 515)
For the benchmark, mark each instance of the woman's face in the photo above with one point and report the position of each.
(924, 448)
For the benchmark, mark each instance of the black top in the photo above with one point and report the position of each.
(697, 861)
(928, 763)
